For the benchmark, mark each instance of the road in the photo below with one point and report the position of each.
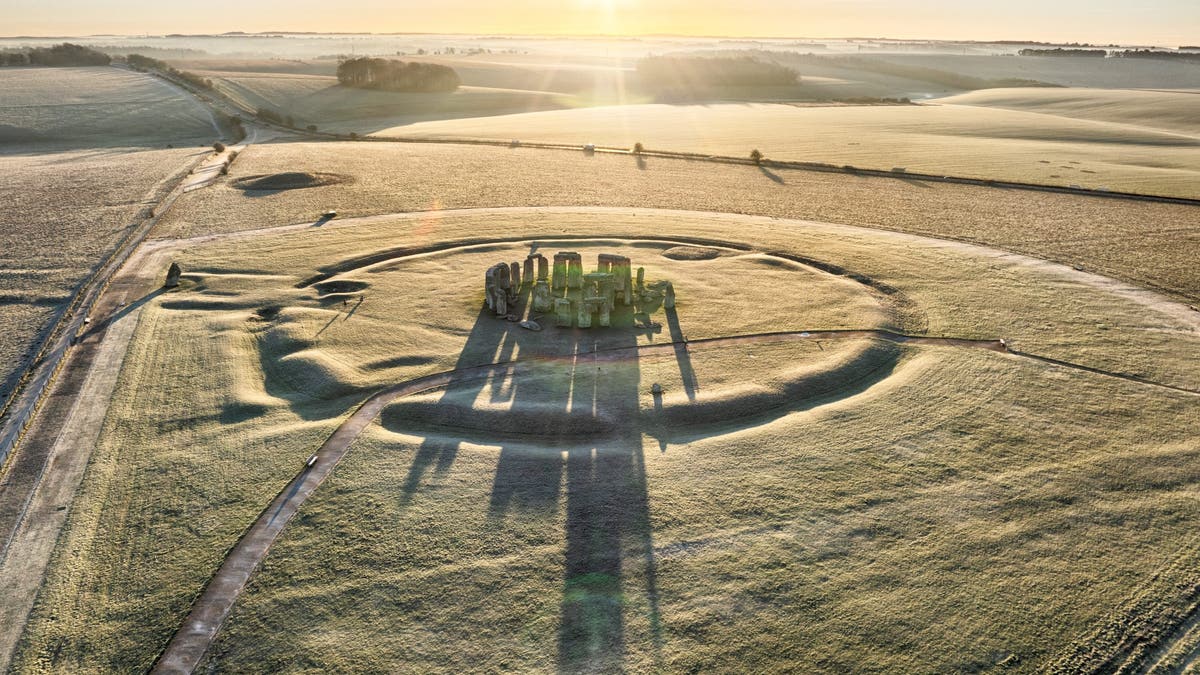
(53, 420)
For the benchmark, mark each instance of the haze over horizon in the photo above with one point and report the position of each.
(1158, 22)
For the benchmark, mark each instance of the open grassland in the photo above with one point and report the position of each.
(1049, 495)
(63, 213)
(1151, 244)
(1064, 71)
(1176, 111)
(944, 139)
(889, 532)
(48, 109)
(320, 100)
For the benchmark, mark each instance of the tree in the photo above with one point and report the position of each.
(393, 75)
(756, 156)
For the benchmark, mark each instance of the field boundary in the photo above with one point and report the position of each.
(22, 404)
(821, 167)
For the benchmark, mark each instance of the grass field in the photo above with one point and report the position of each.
(1064, 71)
(79, 171)
(49, 109)
(942, 139)
(318, 99)
(832, 504)
(1176, 111)
(961, 511)
(1111, 237)
(63, 213)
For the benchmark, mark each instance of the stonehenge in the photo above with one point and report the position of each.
(576, 298)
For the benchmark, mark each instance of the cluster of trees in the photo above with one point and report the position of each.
(689, 72)
(1094, 53)
(272, 115)
(65, 54)
(393, 75)
(1117, 54)
(144, 63)
(1156, 54)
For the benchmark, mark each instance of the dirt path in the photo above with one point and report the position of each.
(72, 438)
(66, 430)
(210, 610)
(56, 419)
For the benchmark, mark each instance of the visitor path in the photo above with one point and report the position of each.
(213, 605)
(210, 610)
(188, 646)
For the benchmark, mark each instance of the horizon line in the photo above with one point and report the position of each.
(621, 36)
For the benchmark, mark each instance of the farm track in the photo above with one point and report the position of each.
(48, 418)
(212, 607)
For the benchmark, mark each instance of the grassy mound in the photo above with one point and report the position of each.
(289, 180)
(691, 253)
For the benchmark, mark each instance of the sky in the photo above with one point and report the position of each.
(1160, 22)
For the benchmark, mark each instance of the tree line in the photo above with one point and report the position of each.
(393, 75)
(61, 55)
(1094, 53)
(144, 63)
(1116, 54)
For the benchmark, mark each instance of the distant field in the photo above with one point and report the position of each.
(942, 139)
(1175, 111)
(318, 99)
(62, 214)
(1065, 71)
(958, 509)
(1111, 236)
(51, 109)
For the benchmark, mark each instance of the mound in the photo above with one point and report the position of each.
(289, 180)
(691, 253)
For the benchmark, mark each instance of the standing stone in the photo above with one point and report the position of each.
(173, 274)
(669, 296)
(489, 288)
(543, 268)
(542, 296)
(641, 279)
(499, 285)
(559, 279)
(527, 277)
(514, 273)
(584, 315)
(562, 312)
(574, 271)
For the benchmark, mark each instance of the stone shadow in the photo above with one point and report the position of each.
(599, 478)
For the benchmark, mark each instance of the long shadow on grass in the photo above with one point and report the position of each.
(576, 421)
